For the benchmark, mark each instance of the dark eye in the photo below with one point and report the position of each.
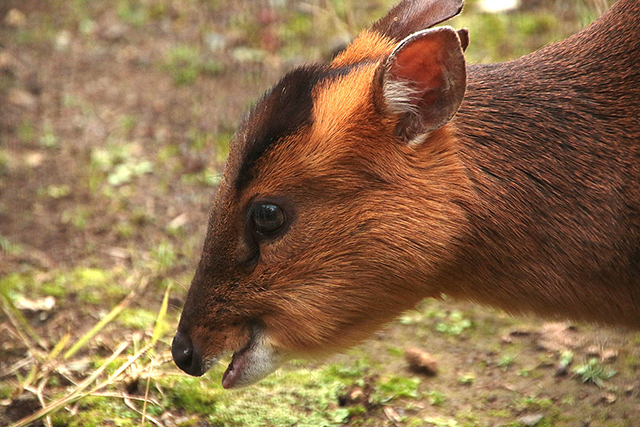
(267, 218)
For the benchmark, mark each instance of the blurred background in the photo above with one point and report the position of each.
(115, 119)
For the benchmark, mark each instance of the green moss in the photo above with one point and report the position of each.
(55, 288)
(395, 387)
(15, 283)
(192, 394)
(500, 413)
(532, 403)
(6, 391)
(95, 410)
(395, 351)
(345, 373)
(289, 397)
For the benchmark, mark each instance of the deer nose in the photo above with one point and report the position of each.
(185, 355)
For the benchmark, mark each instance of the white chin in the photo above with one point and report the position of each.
(251, 364)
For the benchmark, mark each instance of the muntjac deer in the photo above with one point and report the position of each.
(356, 188)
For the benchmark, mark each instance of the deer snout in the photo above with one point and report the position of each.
(186, 355)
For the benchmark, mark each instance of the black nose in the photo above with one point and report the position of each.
(185, 355)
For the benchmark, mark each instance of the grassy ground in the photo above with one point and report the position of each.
(115, 117)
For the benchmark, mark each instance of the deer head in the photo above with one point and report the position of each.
(339, 206)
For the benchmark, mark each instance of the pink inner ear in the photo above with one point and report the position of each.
(425, 80)
(420, 64)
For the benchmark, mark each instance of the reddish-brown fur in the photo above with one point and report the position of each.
(527, 200)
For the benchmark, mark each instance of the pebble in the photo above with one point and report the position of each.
(7, 62)
(530, 420)
(22, 98)
(15, 19)
(421, 361)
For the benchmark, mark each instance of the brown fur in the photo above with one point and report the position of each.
(528, 199)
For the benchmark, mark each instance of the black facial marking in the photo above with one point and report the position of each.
(282, 111)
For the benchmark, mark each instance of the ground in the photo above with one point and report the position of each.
(115, 118)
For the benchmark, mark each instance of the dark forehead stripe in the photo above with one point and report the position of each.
(282, 111)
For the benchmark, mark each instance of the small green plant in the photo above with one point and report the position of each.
(453, 324)
(124, 229)
(593, 372)
(48, 138)
(199, 140)
(26, 132)
(346, 373)
(164, 256)
(124, 173)
(9, 247)
(186, 63)
(127, 124)
(4, 162)
(524, 372)
(505, 361)
(467, 379)
(411, 317)
(566, 357)
(342, 415)
(55, 191)
(119, 163)
(532, 403)
(396, 387)
(78, 217)
(132, 13)
(441, 422)
(205, 178)
(222, 142)
(436, 398)
(395, 351)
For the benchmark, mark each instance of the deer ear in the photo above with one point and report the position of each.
(410, 16)
(423, 80)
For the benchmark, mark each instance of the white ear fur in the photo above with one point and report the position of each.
(400, 96)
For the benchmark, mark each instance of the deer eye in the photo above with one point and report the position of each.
(267, 218)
